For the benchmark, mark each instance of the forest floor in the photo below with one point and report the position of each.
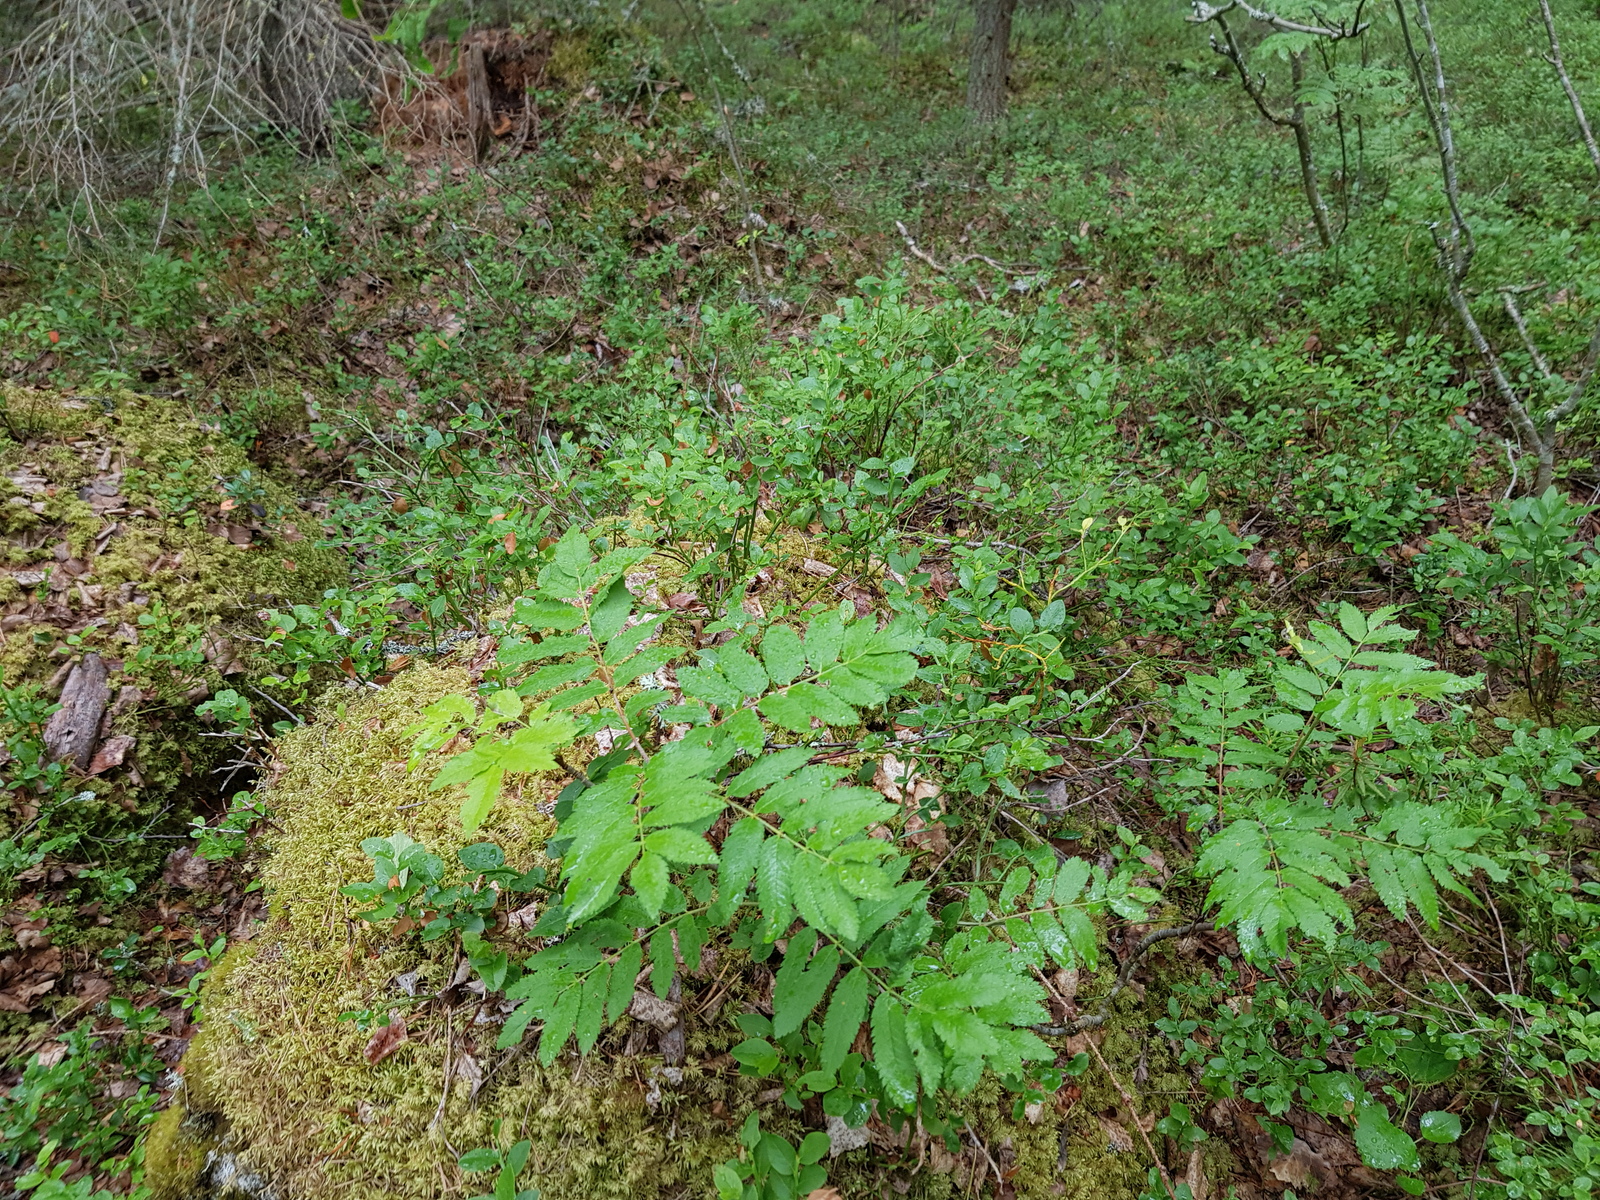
(743, 282)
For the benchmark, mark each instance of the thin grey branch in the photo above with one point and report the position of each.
(1204, 12)
(1555, 60)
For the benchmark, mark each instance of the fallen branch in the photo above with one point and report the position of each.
(1124, 976)
(1133, 1112)
(911, 245)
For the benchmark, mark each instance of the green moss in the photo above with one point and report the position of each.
(159, 557)
(288, 1078)
(175, 1153)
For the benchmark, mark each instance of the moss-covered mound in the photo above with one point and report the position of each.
(132, 533)
(124, 521)
(293, 1083)
(137, 547)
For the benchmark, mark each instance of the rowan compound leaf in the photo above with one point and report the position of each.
(742, 670)
(925, 1051)
(710, 685)
(823, 637)
(772, 883)
(743, 732)
(1053, 938)
(663, 962)
(767, 770)
(681, 802)
(846, 1011)
(679, 846)
(795, 708)
(823, 903)
(865, 881)
(516, 1025)
(799, 986)
(538, 612)
(592, 1008)
(1071, 878)
(1080, 935)
(741, 850)
(559, 1024)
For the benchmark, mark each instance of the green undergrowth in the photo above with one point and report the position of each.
(830, 584)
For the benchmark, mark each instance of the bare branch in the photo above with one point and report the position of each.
(1308, 163)
(106, 92)
(1436, 104)
(1534, 352)
(1255, 88)
(1555, 60)
(911, 245)
(1591, 360)
(1204, 12)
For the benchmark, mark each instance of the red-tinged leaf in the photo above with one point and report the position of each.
(54, 337)
(386, 1039)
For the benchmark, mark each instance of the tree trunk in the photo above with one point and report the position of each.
(1308, 164)
(991, 56)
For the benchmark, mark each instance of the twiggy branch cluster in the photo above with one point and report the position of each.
(114, 92)
(1204, 12)
(1536, 424)
(1255, 86)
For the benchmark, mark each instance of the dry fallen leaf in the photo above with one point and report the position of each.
(386, 1039)
(1118, 1139)
(185, 869)
(652, 1010)
(113, 751)
(824, 1193)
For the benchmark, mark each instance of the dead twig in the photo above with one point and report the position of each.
(917, 251)
(1124, 977)
(1133, 1111)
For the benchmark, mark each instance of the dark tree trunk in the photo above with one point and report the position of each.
(294, 103)
(991, 56)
